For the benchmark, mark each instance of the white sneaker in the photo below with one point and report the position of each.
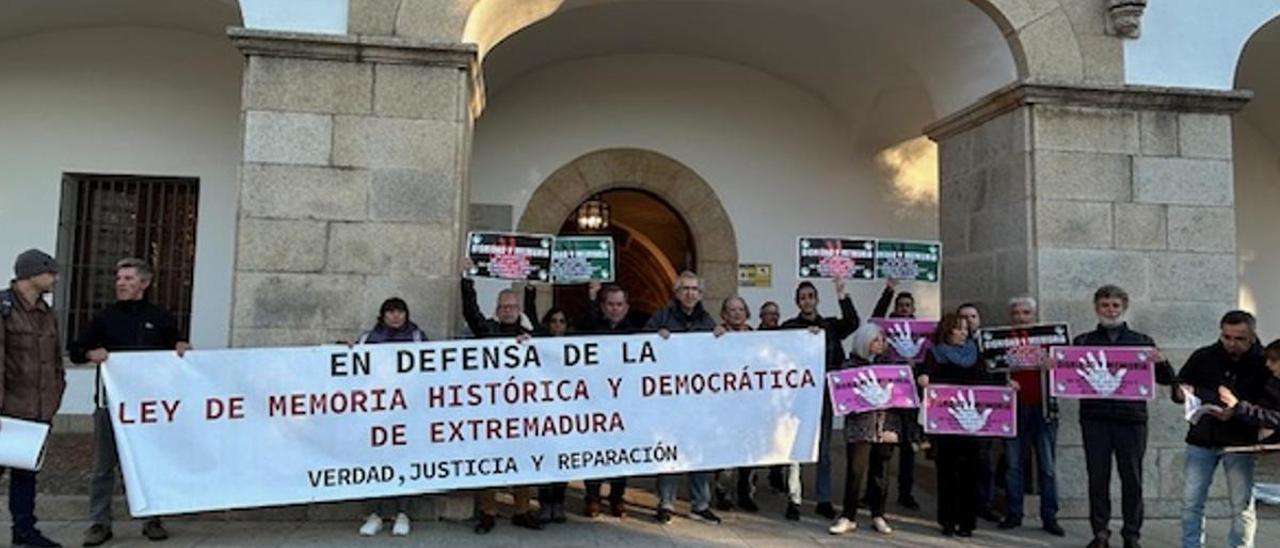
(372, 525)
(401, 526)
(843, 525)
(881, 525)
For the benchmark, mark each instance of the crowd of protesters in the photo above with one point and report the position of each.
(1236, 372)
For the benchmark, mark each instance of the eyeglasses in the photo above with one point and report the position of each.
(692, 288)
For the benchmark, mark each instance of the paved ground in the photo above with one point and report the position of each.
(766, 529)
(754, 531)
(67, 478)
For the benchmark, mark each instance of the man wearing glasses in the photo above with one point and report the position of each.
(684, 314)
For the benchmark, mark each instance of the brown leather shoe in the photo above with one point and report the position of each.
(97, 534)
(592, 508)
(484, 524)
(618, 509)
(154, 530)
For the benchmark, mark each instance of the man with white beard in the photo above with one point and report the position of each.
(1116, 427)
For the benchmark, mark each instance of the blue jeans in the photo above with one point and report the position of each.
(699, 490)
(1041, 435)
(1200, 465)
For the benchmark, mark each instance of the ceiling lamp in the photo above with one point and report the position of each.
(593, 215)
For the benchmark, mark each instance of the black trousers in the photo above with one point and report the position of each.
(986, 476)
(957, 461)
(1127, 441)
(745, 478)
(866, 464)
(617, 488)
(22, 500)
(552, 493)
(907, 453)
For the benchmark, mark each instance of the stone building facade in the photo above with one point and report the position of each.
(1058, 182)
(1070, 143)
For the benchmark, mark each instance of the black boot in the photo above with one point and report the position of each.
(33, 539)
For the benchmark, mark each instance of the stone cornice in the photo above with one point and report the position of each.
(1021, 94)
(340, 47)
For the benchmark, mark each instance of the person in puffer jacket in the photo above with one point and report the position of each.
(870, 439)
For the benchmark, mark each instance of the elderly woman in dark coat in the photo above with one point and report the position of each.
(870, 439)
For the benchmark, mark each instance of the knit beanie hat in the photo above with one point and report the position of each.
(32, 263)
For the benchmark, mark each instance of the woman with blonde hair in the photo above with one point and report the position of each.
(734, 313)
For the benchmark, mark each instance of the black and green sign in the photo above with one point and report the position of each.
(909, 260)
(823, 257)
(579, 259)
(510, 256)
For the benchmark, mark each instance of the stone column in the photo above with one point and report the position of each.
(353, 189)
(1053, 191)
(353, 183)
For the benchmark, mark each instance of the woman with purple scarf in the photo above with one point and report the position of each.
(393, 326)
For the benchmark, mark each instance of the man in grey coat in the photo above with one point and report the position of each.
(684, 314)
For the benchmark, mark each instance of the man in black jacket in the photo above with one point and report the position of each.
(505, 323)
(1236, 362)
(904, 303)
(132, 323)
(1265, 413)
(608, 314)
(837, 329)
(1116, 427)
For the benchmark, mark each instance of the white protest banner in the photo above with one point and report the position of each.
(260, 427)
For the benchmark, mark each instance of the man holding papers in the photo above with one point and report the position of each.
(31, 375)
(1236, 362)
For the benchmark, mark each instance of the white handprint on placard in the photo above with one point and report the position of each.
(965, 411)
(869, 388)
(901, 341)
(1095, 372)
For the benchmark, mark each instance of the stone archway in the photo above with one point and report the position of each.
(672, 181)
(1044, 37)
(1254, 149)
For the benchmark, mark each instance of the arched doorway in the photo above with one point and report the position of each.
(792, 140)
(647, 190)
(653, 246)
(1255, 149)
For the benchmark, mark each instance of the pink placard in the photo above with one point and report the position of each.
(1102, 372)
(872, 388)
(908, 339)
(971, 410)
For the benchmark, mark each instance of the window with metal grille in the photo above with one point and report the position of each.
(106, 218)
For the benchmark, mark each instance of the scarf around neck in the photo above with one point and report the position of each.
(960, 356)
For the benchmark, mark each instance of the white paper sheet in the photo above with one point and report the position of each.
(22, 443)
